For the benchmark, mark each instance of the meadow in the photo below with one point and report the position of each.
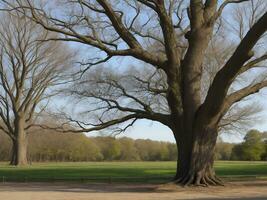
(156, 172)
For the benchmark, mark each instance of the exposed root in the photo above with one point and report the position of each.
(199, 179)
(189, 181)
(218, 181)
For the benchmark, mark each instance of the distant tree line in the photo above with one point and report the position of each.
(46, 145)
(63, 147)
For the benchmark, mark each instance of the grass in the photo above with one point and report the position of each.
(119, 171)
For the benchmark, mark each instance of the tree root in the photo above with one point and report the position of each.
(199, 179)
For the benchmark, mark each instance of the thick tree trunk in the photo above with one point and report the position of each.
(13, 153)
(184, 148)
(196, 157)
(19, 149)
(19, 152)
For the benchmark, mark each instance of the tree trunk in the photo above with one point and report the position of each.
(19, 149)
(184, 148)
(196, 158)
(19, 152)
(13, 153)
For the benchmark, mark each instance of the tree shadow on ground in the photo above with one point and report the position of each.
(131, 188)
(80, 188)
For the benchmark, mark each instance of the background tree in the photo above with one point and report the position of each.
(110, 148)
(128, 149)
(5, 147)
(253, 147)
(223, 150)
(182, 32)
(48, 145)
(264, 155)
(29, 68)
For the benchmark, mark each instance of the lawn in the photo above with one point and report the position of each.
(119, 171)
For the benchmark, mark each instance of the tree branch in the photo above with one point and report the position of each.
(242, 93)
(224, 78)
(225, 3)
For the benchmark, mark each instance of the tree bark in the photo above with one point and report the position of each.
(184, 148)
(196, 157)
(13, 153)
(19, 150)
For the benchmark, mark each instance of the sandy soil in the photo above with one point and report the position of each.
(254, 190)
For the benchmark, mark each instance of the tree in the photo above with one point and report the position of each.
(110, 147)
(5, 147)
(253, 147)
(179, 41)
(237, 152)
(264, 155)
(29, 68)
(128, 149)
(223, 150)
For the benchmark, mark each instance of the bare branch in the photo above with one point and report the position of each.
(227, 74)
(225, 3)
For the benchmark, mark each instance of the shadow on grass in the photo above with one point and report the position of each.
(104, 175)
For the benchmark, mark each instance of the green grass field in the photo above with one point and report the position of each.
(120, 171)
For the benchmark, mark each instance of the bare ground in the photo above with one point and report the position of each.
(252, 190)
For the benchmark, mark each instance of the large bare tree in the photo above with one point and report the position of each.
(180, 32)
(29, 69)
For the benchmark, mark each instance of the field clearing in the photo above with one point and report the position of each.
(153, 172)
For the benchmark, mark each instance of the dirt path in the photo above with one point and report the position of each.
(256, 190)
